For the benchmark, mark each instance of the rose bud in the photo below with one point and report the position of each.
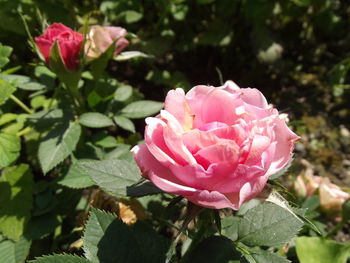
(331, 196)
(306, 184)
(216, 146)
(69, 44)
(100, 38)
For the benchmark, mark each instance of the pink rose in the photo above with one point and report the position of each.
(69, 43)
(100, 38)
(306, 183)
(215, 146)
(331, 196)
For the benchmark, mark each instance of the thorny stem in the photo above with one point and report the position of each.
(192, 211)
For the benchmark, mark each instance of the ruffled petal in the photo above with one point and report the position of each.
(195, 98)
(285, 139)
(217, 153)
(213, 200)
(172, 133)
(154, 139)
(219, 106)
(176, 104)
(150, 165)
(254, 97)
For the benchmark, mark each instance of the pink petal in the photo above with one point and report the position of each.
(163, 179)
(172, 133)
(259, 144)
(176, 104)
(285, 139)
(70, 52)
(120, 45)
(154, 139)
(237, 132)
(213, 200)
(217, 153)
(219, 106)
(196, 140)
(195, 98)
(148, 164)
(235, 179)
(45, 47)
(230, 87)
(115, 32)
(254, 97)
(55, 30)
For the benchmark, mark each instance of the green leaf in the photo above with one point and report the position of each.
(76, 178)
(99, 64)
(141, 109)
(58, 145)
(16, 200)
(10, 146)
(213, 249)
(113, 176)
(22, 82)
(14, 252)
(131, 16)
(60, 258)
(143, 188)
(47, 118)
(6, 91)
(302, 2)
(95, 120)
(263, 256)
(320, 250)
(7, 117)
(152, 247)
(104, 140)
(123, 93)
(268, 225)
(107, 238)
(118, 152)
(127, 55)
(230, 227)
(5, 52)
(41, 226)
(179, 11)
(124, 123)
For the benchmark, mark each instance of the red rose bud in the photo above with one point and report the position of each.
(69, 43)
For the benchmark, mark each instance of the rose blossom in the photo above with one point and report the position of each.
(215, 146)
(306, 183)
(69, 43)
(331, 196)
(100, 38)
